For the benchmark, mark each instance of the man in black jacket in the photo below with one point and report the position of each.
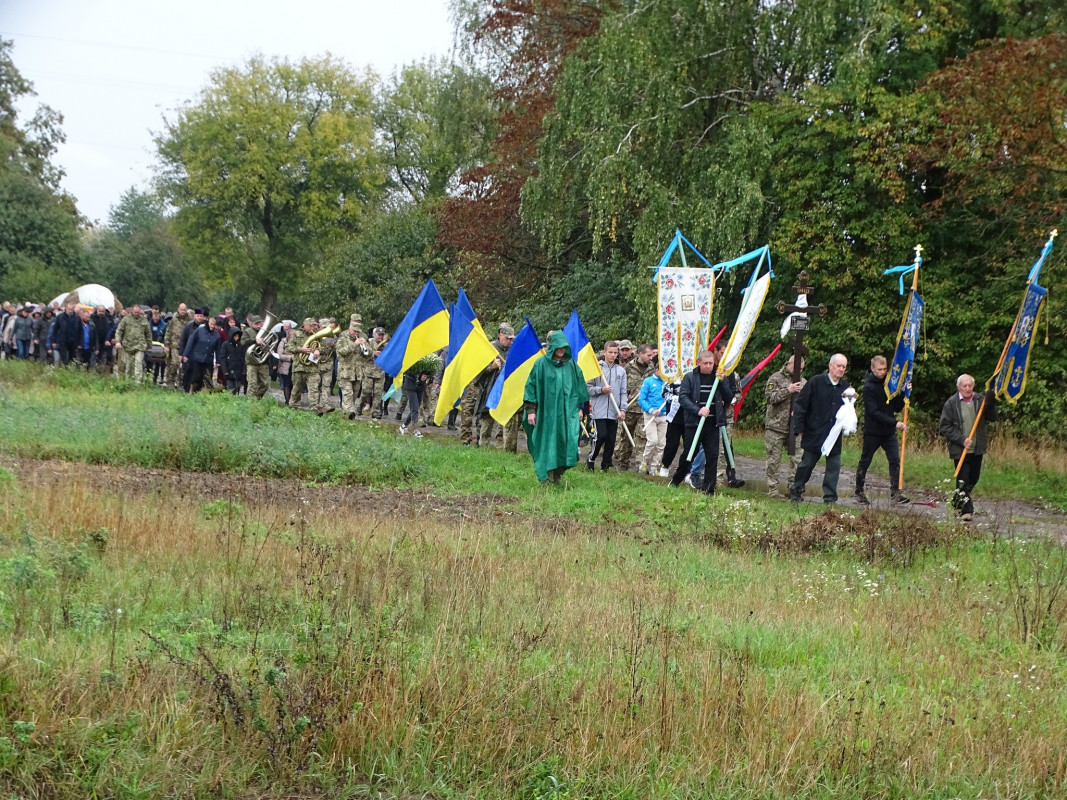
(957, 423)
(68, 334)
(693, 399)
(880, 428)
(814, 413)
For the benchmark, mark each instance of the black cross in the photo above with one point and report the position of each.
(799, 326)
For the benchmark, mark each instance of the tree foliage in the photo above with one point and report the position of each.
(139, 258)
(271, 167)
(40, 249)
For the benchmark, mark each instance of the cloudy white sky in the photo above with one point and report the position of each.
(114, 68)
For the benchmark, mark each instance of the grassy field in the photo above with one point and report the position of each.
(608, 639)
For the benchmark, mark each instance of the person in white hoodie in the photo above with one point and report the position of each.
(605, 413)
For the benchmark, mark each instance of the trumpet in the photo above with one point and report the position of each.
(261, 352)
(305, 358)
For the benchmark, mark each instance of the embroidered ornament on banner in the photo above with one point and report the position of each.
(685, 301)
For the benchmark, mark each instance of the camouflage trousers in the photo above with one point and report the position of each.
(429, 403)
(134, 366)
(120, 362)
(351, 393)
(466, 413)
(173, 376)
(319, 388)
(635, 422)
(258, 376)
(774, 444)
(372, 395)
(487, 427)
(301, 381)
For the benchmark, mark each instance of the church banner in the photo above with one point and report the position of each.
(685, 302)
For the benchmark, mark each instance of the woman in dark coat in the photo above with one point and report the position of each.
(200, 353)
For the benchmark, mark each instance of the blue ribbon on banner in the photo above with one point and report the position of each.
(903, 270)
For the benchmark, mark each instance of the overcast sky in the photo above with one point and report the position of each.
(114, 68)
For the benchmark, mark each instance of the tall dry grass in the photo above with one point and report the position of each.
(262, 652)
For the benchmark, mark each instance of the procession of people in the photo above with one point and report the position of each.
(629, 409)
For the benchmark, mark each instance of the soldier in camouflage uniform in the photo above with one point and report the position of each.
(638, 367)
(300, 371)
(350, 345)
(171, 340)
(132, 338)
(505, 336)
(780, 388)
(374, 376)
(325, 347)
(256, 374)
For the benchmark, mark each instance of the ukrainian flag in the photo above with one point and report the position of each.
(505, 398)
(469, 352)
(581, 349)
(423, 331)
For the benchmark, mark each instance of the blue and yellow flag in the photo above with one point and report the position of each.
(469, 352)
(898, 379)
(423, 331)
(505, 398)
(1010, 382)
(581, 348)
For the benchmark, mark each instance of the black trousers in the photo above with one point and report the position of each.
(965, 483)
(871, 443)
(709, 440)
(606, 429)
(675, 430)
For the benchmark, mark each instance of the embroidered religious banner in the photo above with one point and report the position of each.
(900, 371)
(1011, 380)
(685, 301)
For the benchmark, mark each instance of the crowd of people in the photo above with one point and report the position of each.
(629, 417)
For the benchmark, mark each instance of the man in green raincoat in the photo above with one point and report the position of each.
(554, 394)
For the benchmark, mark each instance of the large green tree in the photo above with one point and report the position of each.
(40, 248)
(139, 257)
(271, 167)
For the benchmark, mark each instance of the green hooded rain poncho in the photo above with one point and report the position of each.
(554, 391)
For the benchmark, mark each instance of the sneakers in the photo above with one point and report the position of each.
(688, 481)
(735, 483)
(664, 472)
(901, 499)
(966, 517)
(642, 469)
(351, 415)
(418, 434)
(860, 499)
(403, 430)
(589, 465)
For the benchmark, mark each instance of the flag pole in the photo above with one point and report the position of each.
(907, 396)
(1000, 362)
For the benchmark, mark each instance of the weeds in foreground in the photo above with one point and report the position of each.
(276, 651)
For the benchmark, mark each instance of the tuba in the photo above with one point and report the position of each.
(329, 330)
(261, 352)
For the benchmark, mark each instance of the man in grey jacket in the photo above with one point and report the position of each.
(605, 413)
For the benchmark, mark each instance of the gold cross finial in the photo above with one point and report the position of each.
(1054, 234)
(918, 249)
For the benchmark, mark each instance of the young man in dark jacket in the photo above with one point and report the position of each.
(693, 399)
(880, 428)
(232, 361)
(814, 413)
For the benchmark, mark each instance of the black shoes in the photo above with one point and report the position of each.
(861, 499)
(901, 499)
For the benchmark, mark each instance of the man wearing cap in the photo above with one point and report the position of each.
(325, 347)
(257, 375)
(132, 338)
(504, 337)
(350, 344)
(301, 372)
(199, 318)
(374, 376)
(637, 369)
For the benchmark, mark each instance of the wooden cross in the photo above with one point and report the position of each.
(799, 325)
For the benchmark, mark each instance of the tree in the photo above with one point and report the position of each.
(270, 168)
(139, 258)
(40, 248)
(437, 122)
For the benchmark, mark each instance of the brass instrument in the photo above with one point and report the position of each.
(261, 352)
(305, 358)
